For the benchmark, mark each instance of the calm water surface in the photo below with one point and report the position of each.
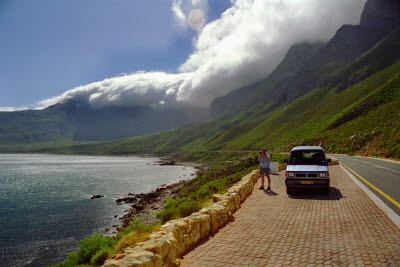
(45, 205)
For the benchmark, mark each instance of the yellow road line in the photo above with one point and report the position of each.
(374, 187)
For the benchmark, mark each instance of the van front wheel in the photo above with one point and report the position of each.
(326, 191)
(289, 190)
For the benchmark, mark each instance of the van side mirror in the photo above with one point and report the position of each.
(286, 160)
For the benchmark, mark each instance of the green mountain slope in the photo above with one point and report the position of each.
(34, 126)
(298, 56)
(75, 122)
(322, 113)
(345, 91)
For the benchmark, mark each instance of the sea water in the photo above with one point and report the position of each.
(45, 205)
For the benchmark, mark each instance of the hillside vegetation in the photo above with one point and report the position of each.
(72, 121)
(345, 91)
(362, 119)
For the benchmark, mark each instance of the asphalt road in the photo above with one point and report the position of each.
(382, 174)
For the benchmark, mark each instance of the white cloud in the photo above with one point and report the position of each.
(178, 12)
(138, 89)
(243, 46)
(252, 37)
(10, 109)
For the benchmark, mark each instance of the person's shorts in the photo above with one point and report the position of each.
(264, 170)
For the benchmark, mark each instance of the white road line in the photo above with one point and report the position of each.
(377, 166)
(387, 160)
(394, 217)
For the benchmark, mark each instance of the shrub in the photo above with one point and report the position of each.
(91, 245)
(88, 247)
(188, 207)
(395, 151)
(133, 226)
(204, 192)
(100, 257)
(169, 211)
(134, 233)
(72, 260)
(130, 240)
(210, 188)
(177, 208)
(234, 178)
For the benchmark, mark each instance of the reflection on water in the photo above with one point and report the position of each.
(45, 205)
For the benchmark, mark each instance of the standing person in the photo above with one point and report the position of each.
(321, 144)
(264, 160)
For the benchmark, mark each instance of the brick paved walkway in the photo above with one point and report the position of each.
(342, 229)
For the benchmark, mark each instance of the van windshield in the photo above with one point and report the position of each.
(307, 157)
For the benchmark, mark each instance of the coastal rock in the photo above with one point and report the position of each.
(216, 197)
(126, 200)
(138, 207)
(111, 263)
(119, 256)
(145, 205)
(164, 163)
(231, 218)
(97, 196)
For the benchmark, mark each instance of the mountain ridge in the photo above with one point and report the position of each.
(72, 121)
(289, 106)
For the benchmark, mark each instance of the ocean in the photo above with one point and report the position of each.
(45, 205)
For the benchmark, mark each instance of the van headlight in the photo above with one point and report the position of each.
(290, 174)
(322, 175)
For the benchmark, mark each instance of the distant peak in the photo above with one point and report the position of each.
(381, 14)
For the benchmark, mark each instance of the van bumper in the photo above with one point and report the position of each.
(307, 183)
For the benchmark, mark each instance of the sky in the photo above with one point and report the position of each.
(151, 52)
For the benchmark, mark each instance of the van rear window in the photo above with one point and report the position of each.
(307, 157)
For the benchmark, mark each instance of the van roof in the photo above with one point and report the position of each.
(307, 148)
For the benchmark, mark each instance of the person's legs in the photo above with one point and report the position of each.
(269, 180)
(262, 180)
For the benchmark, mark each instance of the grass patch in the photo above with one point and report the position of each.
(94, 250)
(88, 248)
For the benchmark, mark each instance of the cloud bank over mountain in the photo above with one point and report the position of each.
(242, 47)
(11, 109)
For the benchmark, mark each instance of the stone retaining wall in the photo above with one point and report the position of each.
(175, 237)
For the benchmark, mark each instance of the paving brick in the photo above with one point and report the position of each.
(343, 229)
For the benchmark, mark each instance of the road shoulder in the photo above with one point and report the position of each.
(386, 210)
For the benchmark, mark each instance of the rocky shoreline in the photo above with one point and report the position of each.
(145, 205)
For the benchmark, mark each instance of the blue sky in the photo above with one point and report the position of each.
(50, 46)
(146, 52)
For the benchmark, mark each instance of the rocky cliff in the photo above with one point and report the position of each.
(381, 14)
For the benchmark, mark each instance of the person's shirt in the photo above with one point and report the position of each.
(264, 162)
